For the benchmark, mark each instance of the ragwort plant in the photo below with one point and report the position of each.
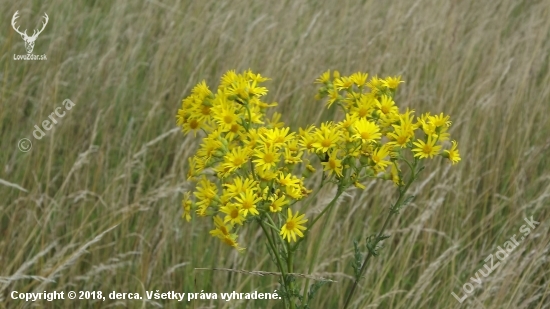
(251, 170)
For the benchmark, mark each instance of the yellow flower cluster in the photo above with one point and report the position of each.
(373, 131)
(249, 167)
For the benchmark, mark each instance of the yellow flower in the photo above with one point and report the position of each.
(293, 157)
(400, 137)
(435, 126)
(386, 121)
(427, 126)
(277, 203)
(186, 204)
(209, 147)
(325, 77)
(231, 240)
(294, 193)
(225, 113)
(192, 125)
(375, 84)
(453, 154)
(307, 138)
(333, 96)
(293, 226)
(333, 165)
(406, 123)
(233, 214)
(256, 77)
(277, 137)
(392, 82)
(201, 210)
(326, 138)
(256, 113)
(202, 112)
(240, 186)
(288, 180)
(221, 230)
(206, 192)
(251, 138)
(360, 79)
(426, 150)
(365, 106)
(245, 88)
(202, 90)
(440, 120)
(235, 159)
(395, 171)
(387, 105)
(274, 122)
(247, 202)
(195, 166)
(228, 79)
(367, 131)
(348, 121)
(378, 157)
(343, 83)
(268, 157)
(181, 116)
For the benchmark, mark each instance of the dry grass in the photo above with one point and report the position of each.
(95, 205)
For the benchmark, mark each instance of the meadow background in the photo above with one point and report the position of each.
(96, 204)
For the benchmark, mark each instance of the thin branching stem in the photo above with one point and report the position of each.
(393, 210)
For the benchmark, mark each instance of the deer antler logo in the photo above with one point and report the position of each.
(29, 40)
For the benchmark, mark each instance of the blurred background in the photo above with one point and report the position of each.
(96, 203)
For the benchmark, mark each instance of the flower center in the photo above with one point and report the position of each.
(290, 225)
(234, 128)
(401, 140)
(362, 112)
(247, 204)
(238, 161)
(274, 207)
(269, 158)
(193, 124)
(365, 135)
(228, 119)
(427, 148)
(326, 142)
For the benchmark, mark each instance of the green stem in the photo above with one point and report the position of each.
(252, 170)
(278, 258)
(379, 237)
(290, 266)
(275, 227)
